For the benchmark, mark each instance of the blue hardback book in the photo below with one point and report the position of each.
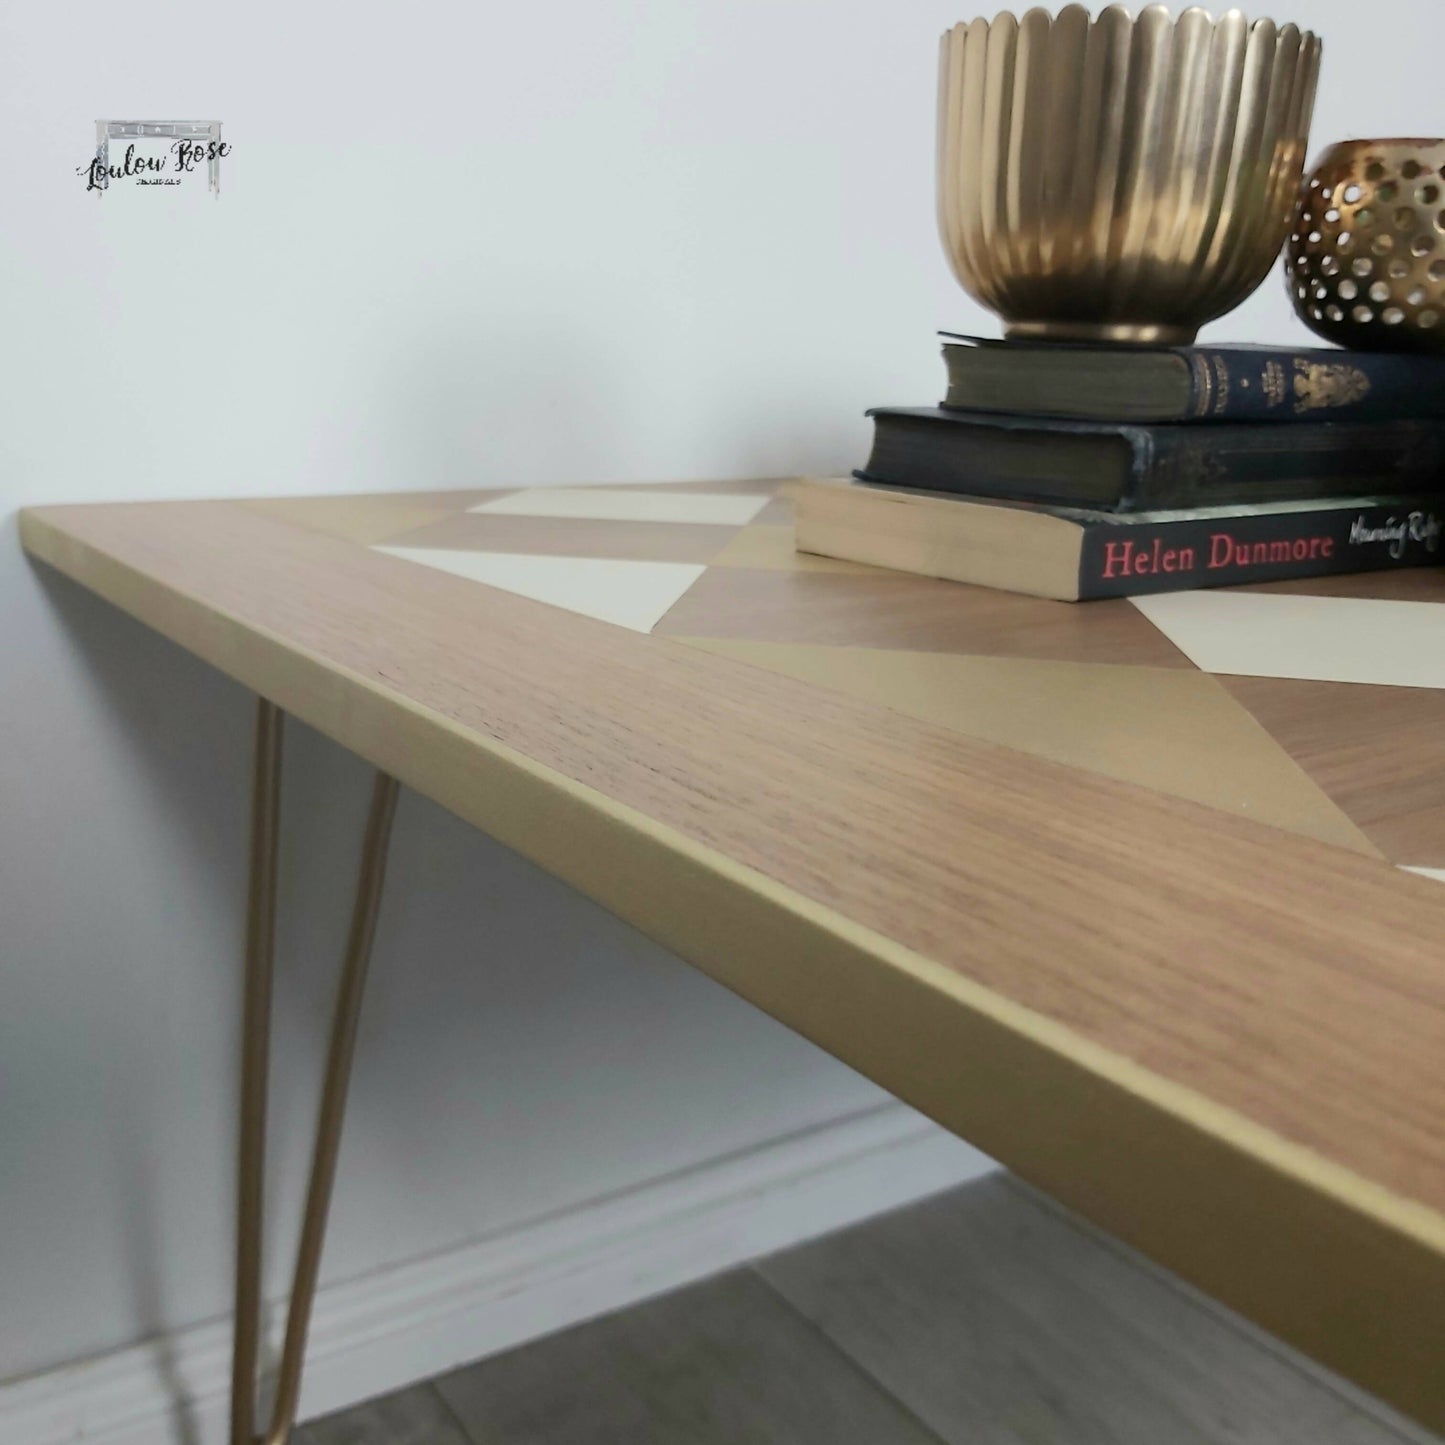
(1190, 383)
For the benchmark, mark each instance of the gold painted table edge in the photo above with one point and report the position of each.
(1340, 1264)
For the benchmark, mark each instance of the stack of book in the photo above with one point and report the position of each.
(1085, 471)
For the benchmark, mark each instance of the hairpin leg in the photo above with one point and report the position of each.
(260, 935)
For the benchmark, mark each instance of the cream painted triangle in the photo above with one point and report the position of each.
(1325, 639)
(603, 504)
(626, 593)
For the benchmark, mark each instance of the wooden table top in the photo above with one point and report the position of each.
(1120, 892)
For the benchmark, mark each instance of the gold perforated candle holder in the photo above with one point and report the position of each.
(1367, 252)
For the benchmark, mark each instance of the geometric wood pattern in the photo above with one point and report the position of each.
(1199, 1011)
(1361, 765)
(919, 614)
(1325, 639)
(631, 594)
(1177, 731)
(611, 504)
(1378, 752)
(369, 518)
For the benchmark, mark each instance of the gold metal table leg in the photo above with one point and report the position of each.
(256, 1039)
(260, 936)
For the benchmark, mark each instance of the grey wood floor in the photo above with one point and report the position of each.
(985, 1316)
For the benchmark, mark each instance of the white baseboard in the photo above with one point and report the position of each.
(414, 1320)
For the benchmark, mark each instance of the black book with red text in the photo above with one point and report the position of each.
(1074, 554)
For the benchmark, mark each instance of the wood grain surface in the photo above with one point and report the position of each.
(919, 613)
(1220, 1040)
(1378, 750)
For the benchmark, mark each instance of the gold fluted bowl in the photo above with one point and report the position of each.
(1367, 253)
(1119, 179)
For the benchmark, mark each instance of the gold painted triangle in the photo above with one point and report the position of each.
(1175, 731)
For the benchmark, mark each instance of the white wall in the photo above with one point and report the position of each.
(457, 245)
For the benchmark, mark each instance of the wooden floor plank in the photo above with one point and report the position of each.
(999, 1321)
(725, 1363)
(984, 1315)
(415, 1416)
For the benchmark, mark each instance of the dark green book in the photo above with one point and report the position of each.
(1128, 468)
(1190, 383)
